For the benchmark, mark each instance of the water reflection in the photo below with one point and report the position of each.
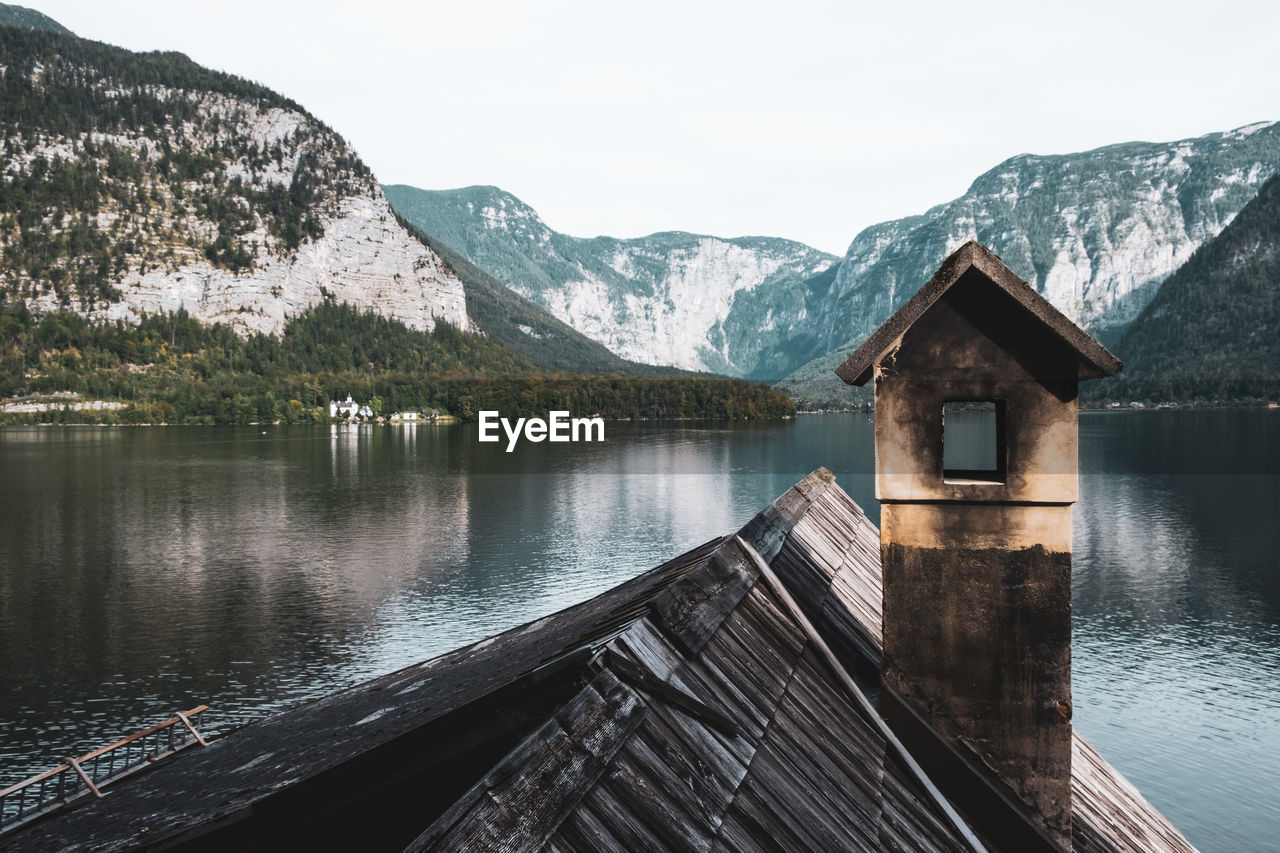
(147, 569)
(1177, 614)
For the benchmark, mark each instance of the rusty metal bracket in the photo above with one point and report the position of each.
(75, 765)
(187, 723)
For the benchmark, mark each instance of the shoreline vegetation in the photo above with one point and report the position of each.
(59, 368)
(1104, 405)
(1121, 392)
(173, 369)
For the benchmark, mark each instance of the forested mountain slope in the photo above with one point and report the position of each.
(144, 183)
(1094, 232)
(1212, 331)
(21, 16)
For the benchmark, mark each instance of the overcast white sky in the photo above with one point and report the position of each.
(807, 120)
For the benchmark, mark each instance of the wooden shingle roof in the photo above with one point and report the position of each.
(1095, 360)
(716, 722)
(724, 700)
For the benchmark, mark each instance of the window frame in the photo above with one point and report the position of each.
(970, 476)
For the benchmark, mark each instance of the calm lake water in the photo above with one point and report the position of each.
(148, 569)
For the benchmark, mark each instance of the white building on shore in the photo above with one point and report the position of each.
(347, 408)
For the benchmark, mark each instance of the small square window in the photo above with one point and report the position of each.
(973, 440)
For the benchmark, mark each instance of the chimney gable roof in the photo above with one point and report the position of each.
(1095, 360)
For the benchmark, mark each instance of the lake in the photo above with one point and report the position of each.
(148, 569)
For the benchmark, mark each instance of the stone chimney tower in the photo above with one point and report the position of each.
(976, 426)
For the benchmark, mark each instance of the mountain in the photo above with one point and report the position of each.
(138, 184)
(144, 183)
(21, 16)
(1212, 331)
(141, 184)
(737, 306)
(1094, 232)
(512, 320)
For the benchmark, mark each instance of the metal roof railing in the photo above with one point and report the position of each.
(89, 773)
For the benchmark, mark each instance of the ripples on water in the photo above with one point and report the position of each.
(1176, 599)
(143, 570)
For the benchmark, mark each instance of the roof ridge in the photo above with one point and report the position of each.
(769, 528)
(863, 705)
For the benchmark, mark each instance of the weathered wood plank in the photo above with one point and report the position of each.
(749, 708)
(691, 609)
(541, 781)
(1109, 813)
(644, 644)
(765, 615)
(807, 584)
(843, 631)
(585, 832)
(817, 542)
(736, 837)
(823, 713)
(918, 825)
(641, 679)
(815, 483)
(770, 527)
(617, 818)
(702, 762)
(661, 657)
(758, 673)
(858, 782)
(657, 797)
(759, 816)
(799, 793)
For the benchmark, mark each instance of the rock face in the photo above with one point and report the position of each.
(1095, 232)
(685, 300)
(362, 257)
(144, 183)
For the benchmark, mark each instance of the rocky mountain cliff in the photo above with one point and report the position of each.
(142, 183)
(1095, 232)
(511, 320)
(734, 306)
(1212, 331)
